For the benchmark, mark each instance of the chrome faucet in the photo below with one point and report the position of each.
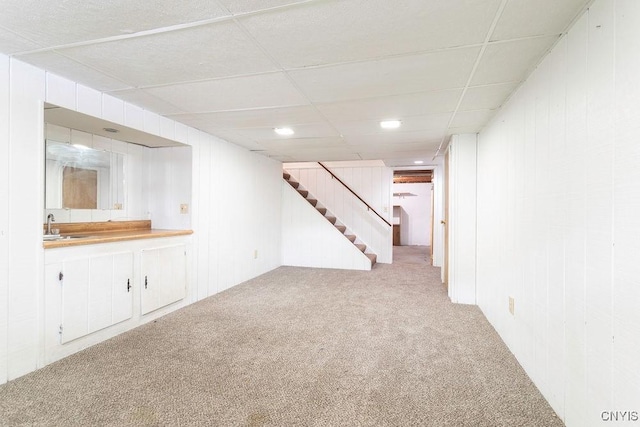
(50, 219)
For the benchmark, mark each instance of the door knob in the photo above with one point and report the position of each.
(443, 222)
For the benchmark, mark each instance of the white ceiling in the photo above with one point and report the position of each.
(329, 69)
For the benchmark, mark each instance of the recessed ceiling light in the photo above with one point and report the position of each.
(390, 124)
(284, 131)
(111, 130)
(418, 162)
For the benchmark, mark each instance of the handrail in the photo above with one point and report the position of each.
(354, 193)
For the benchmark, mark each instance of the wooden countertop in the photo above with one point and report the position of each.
(112, 236)
(95, 233)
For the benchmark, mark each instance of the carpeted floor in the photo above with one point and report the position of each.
(295, 347)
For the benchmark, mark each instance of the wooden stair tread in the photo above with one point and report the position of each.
(294, 184)
(373, 258)
(331, 219)
(342, 228)
(350, 237)
(361, 246)
(313, 202)
(323, 211)
(286, 176)
(303, 193)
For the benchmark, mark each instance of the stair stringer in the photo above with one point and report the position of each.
(371, 230)
(309, 240)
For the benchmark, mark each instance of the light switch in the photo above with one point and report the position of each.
(184, 208)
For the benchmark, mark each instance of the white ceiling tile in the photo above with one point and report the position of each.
(318, 130)
(261, 91)
(412, 123)
(264, 117)
(523, 18)
(392, 138)
(397, 106)
(398, 148)
(400, 158)
(320, 155)
(391, 76)
(234, 138)
(336, 31)
(246, 6)
(510, 61)
(146, 101)
(12, 43)
(293, 144)
(198, 53)
(60, 65)
(475, 119)
(82, 20)
(486, 97)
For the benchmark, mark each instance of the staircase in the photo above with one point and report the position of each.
(329, 217)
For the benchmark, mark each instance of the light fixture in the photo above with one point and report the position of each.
(418, 162)
(284, 131)
(390, 124)
(110, 130)
(80, 146)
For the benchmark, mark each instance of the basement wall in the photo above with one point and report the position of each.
(558, 218)
(235, 204)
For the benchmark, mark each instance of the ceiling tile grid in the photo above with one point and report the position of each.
(198, 53)
(54, 23)
(329, 69)
(334, 31)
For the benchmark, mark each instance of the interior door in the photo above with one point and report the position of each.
(445, 222)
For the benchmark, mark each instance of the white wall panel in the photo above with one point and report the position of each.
(89, 101)
(4, 213)
(61, 92)
(626, 292)
(309, 240)
(438, 216)
(572, 131)
(26, 157)
(151, 122)
(462, 222)
(169, 186)
(134, 116)
(112, 109)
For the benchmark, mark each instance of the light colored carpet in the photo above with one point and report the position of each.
(295, 347)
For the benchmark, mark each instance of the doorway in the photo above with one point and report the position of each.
(412, 208)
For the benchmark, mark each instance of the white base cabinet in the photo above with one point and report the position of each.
(95, 292)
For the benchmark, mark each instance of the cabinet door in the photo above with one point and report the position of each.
(75, 299)
(122, 285)
(164, 277)
(100, 292)
(110, 296)
(95, 293)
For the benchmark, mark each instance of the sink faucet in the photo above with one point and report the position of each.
(50, 219)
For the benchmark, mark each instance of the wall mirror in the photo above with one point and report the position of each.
(79, 177)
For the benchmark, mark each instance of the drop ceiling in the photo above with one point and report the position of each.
(329, 69)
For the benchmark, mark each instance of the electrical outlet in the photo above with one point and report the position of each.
(511, 306)
(184, 208)
(117, 206)
(255, 254)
